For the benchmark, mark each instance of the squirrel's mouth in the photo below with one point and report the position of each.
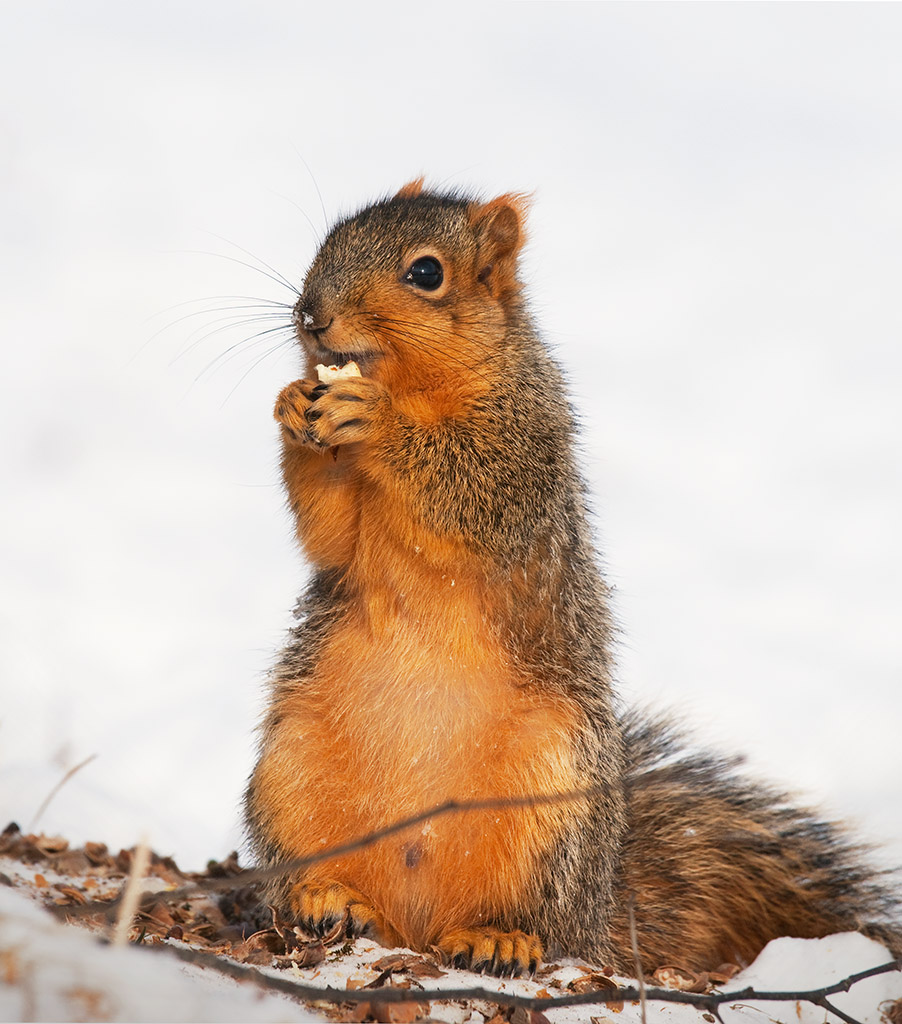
(333, 357)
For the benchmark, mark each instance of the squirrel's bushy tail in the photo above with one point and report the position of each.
(716, 865)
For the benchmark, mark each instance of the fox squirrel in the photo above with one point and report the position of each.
(454, 643)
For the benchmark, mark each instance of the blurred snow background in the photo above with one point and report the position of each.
(715, 255)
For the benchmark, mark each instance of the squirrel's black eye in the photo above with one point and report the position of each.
(425, 273)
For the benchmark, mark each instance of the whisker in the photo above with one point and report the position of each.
(419, 330)
(221, 298)
(251, 368)
(264, 313)
(246, 343)
(229, 323)
(276, 279)
(281, 277)
(317, 237)
(319, 194)
(437, 333)
(276, 307)
(439, 350)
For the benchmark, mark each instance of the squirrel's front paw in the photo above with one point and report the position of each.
(332, 909)
(346, 411)
(488, 949)
(293, 402)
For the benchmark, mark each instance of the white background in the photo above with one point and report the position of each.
(715, 257)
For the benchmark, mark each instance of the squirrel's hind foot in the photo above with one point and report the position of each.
(330, 909)
(504, 954)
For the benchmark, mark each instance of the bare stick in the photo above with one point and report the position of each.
(131, 894)
(708, 1001)
(640, 977)
(360, 843)
(62, 782)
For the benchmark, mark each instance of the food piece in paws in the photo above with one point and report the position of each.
(330, 374)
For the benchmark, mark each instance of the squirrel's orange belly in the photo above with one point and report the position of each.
(373, 739)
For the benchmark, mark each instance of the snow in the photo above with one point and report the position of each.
(804, 964)
(53, 971)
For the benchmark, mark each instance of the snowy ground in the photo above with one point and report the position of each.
(61, 972)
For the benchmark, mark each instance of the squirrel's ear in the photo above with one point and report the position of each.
(411, 190)
(499, 229)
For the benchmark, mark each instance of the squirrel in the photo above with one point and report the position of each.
(455, 644)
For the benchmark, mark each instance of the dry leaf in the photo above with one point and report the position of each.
(412, 963)
(396, 961)
(309, 955)
(891, 1011)
(398, 1013)
(50, 844)
(675, 978)
(259, 948)
(71, 894)
(523, 1016)
(98, 854)
(592, 982)
(159, 913)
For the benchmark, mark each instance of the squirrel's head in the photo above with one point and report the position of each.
(418, 278)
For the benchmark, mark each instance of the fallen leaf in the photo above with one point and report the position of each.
(310, 955)
(412, 963)
(398, 1013)
(97, 854)
(50, 844)
(523, 1016)
(675, 978)
(891, 1011)
(72, 894)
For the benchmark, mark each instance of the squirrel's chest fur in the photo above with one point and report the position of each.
(412, 702)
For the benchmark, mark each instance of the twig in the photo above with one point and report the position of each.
(640, 977)
(300, 863)
(708, 1001)
(827, 1005)
(131, 893)
(62, 782)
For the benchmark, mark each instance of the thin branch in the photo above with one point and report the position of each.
(708, 1001)
(640, 976)
(352, 846)
(827, 1005)
(62, 782)
(131, 894)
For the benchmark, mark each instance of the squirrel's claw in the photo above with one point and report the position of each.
(332, 912)
(291, 406)
(504, 954)
(345, 412)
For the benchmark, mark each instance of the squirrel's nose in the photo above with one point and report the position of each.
(309, 317)
(308, 320)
